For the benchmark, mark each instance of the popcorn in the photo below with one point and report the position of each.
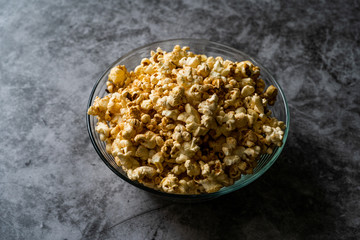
(127, 163)
(148, 139)
(231, 160)
(157, 160)
(142, 153)
(99, 107)
(247, 90)
(271, 94)
(178, 169)
(185, 123)
(141, 172)
(169, 183)
(118, 75)
(192, 168)
(103, 129)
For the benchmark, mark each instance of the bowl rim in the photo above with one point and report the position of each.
(224, 190)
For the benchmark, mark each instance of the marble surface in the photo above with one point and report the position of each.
(53, 185)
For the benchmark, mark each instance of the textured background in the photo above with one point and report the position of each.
(54, 186)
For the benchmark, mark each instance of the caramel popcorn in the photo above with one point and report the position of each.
(187, 124)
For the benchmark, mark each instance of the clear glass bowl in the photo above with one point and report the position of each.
(132, 59)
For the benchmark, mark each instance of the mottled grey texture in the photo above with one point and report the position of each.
(54, 186)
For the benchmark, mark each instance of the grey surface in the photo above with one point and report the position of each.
(54, 186)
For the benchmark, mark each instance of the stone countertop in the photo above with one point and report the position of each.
(53, 185)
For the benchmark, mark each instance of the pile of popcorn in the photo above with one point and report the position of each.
(185, 123)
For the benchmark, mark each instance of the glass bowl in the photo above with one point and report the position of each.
(280, 110)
